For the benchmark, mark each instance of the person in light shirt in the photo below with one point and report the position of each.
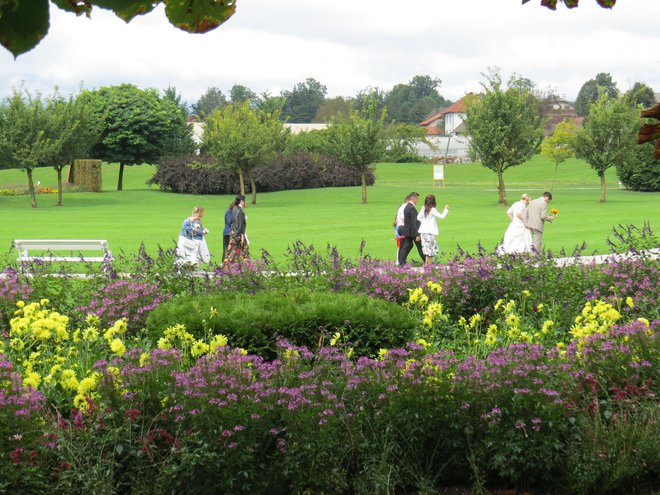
(428, 227)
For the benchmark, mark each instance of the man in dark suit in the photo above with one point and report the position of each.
(410, 229)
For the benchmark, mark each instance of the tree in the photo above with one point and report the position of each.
(590, 91)
(78, 128)
(241, 138)
(608, 136)
(402, 142)
(26, 140)
(640, 95)
(332, 107)
(209, 102)
(303, 101)
(239, 93)
(643, 173)
(269, 104)
(412, 102)
(358, 140)
(136, 125)
(561, 145)
(180, 142)
(504, 126)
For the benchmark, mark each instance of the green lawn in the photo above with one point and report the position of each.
(333, 215)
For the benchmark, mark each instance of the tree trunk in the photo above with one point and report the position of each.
(120, 180)
(500, 187)
(253, 185)
(33, 197)
(364, 188)
(59, 185)
(603, 186)
(241, 181)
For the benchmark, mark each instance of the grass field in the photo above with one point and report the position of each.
(334, 215)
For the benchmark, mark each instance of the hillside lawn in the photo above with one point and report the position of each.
(334, 215)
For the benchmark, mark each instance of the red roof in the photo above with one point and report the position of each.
(458, 107)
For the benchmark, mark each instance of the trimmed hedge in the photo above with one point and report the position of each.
(303, 317)
(188, 174)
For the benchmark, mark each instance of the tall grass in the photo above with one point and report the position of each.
(334, 215)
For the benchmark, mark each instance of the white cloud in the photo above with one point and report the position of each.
(349, 45)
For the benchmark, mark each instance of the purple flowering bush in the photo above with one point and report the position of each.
(122, 298)
(13, 288)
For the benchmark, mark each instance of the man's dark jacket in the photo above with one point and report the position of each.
(410, 226)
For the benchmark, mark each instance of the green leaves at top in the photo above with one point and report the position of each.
(22, 24)
(199, 16)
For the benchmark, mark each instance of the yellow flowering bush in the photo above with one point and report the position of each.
(597, 317)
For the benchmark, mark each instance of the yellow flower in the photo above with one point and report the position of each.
(199, 348)
(334, 339)
(540, 307)
(218, 341)
(526, 293)
(474, 320)
(32, 379)
(382, 353)
(117, 346)
(164, 344)
(90, 334)
(422, 342)
(434, 287)
(349, 354)
(547, 325)
(498, 304)
(645, 321)
(88, 384)
(629, 302)
(80, 401)
(490, 339)
(213, 312)
(144, 359)
(20, 304)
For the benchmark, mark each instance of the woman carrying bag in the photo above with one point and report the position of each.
(238, 249)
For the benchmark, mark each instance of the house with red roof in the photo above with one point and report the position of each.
(447, 121)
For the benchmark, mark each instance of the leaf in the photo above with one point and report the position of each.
(199, 16)
(127, 9)
(23, 24)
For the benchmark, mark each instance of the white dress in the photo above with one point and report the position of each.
(517, 238)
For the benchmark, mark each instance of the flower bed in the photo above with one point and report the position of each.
(521, 375)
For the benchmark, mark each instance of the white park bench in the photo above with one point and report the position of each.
(47, 249)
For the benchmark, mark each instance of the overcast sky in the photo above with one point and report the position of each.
(348, 45)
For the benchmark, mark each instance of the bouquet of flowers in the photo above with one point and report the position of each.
(554, 211)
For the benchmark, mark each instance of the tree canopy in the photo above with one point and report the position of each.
(504, 125)
(591, 90)
(136, 125)
(303, 101)
(608, 137)
(209, 102)
(358, 140)
(240, 138)
(410, 103)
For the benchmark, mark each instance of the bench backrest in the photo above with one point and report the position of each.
(24, 245)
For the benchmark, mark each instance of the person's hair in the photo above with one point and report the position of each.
(197, 210)
(525, 196)
(429, 202)
(232, 204)
(412, 195)
(547, 195)
(238, 199)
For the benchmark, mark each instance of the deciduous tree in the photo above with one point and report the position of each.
(561, 145)
(26, 140)
(136, 125)
(608, 137)
(640, 95)
(303, 101)
(590, 91)
(358, 140)
(78, 128)
(241, 138)
(209, 102)
(504, 126)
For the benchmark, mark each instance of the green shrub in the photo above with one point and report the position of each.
(255, 322)
(643, 173)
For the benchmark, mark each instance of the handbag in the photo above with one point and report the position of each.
(188, 244)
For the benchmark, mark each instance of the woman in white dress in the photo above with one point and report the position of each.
(191, 246)
(517, 238)
(428, 228)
